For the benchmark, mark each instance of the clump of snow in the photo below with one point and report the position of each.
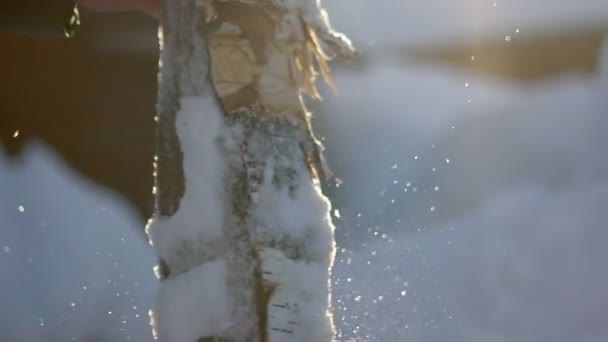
(300, 218)
(303, 217)
(193, 304)
(194, 234)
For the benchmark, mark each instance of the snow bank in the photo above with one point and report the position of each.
(76, 267)
(527, 266)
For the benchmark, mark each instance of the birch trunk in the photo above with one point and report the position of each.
(241, 227)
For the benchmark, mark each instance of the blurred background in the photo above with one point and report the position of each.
(468, 146)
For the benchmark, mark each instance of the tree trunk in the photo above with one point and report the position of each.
(241, 227)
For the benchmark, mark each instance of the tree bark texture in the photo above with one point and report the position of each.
(241, 227)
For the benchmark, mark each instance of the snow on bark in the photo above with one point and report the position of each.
(192, 305)
(287, 223)
(179, 238)
(242, 229)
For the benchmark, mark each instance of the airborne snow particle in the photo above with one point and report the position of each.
(16, 134)
(21, 209)
(337, 214)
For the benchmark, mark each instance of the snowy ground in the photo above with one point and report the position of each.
(498, 238)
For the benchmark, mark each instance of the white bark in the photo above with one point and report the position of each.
(241, 227)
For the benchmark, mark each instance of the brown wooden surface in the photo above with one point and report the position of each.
(93, 105)
(525, 57)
